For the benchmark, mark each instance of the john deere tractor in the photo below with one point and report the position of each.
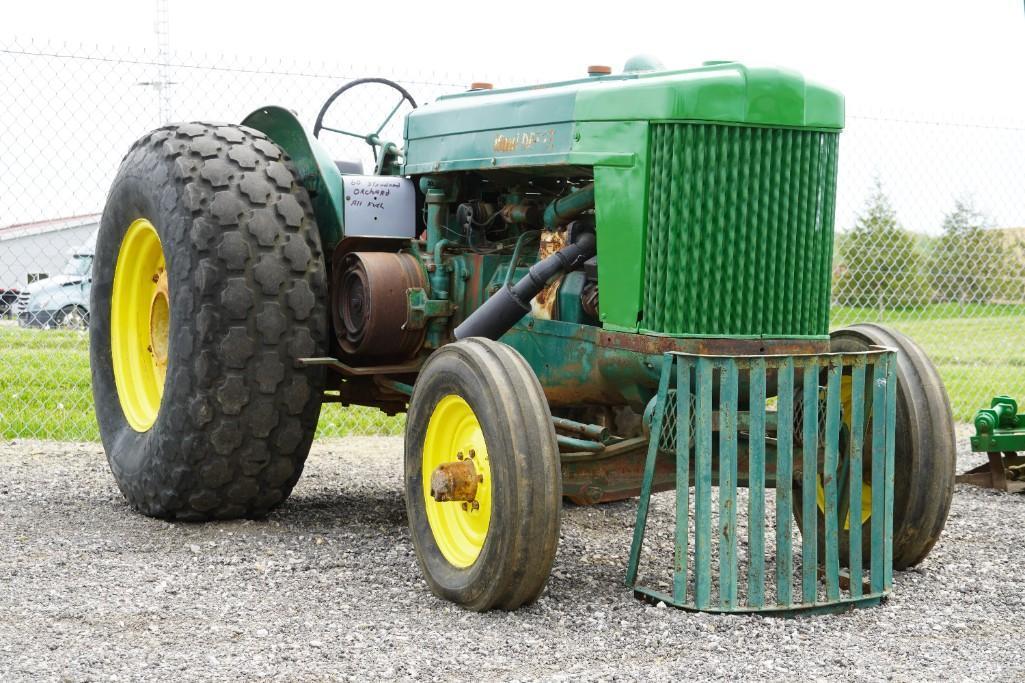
(588, 290)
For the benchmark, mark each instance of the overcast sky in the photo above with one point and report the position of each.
(928, 61)
(954, 58)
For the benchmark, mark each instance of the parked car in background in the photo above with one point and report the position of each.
(60, 300)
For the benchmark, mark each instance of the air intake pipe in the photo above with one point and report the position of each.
(510, 303)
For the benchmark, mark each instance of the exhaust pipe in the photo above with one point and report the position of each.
(508, 305)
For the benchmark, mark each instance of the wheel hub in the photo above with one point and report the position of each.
(159, 319)
(456, 481)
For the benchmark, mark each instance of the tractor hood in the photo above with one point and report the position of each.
(537, 125)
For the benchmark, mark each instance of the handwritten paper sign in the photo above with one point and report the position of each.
(379, 206)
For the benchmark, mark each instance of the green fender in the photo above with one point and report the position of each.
(317, 171)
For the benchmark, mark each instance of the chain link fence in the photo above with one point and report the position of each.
(930, 217)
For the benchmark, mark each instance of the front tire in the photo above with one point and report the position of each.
(924, 448)
(478, 405)
(208, 285)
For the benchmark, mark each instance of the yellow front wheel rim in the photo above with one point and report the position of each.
(139, 324)
(460, 528)
(846, 399)
(866, 503)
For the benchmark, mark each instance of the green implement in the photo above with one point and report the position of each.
(1000, 434)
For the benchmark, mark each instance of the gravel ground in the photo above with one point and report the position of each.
(328, 588)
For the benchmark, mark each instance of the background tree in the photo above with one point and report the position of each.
(879, 263)
(968, 263)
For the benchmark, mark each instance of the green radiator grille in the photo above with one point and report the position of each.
(740, 230)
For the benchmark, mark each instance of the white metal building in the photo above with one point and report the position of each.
(42, 248)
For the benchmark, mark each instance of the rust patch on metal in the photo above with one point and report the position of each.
(455, 481)
(369, 304)
(525, 141)
(474, 292)
(589, 299)
(588, 482)
(1003, 471)
(711, 346)
(504, 144)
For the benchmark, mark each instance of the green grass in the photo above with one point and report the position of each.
(979, 350)
(845, 315)
(45, 392)
(45, 387)
(337, 420)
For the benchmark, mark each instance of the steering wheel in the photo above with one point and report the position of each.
(372, 139)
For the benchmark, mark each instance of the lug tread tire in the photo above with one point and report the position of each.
(248, 286)
(520, 549)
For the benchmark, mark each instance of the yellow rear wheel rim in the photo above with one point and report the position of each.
(460, 528)
(139, 324)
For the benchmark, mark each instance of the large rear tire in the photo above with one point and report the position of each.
(208, 286)
(477, 407)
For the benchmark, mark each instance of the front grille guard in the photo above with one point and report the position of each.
(833, 415)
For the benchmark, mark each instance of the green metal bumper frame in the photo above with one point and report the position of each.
(824, 445)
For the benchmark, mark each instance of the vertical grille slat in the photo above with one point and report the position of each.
(826, 225)
(796, 243)
(808, 242)
(676, 169)
(688, 216)
(657, 200)
(706, 169)
(736, 249)
(761, 203)
(744, 222)
(781, 203)
(739, 230)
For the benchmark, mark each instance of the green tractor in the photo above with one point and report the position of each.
(536, 276)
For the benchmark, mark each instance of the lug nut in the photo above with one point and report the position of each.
(473, 453)
(464, 506)
(476, 505)
(459, 455)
